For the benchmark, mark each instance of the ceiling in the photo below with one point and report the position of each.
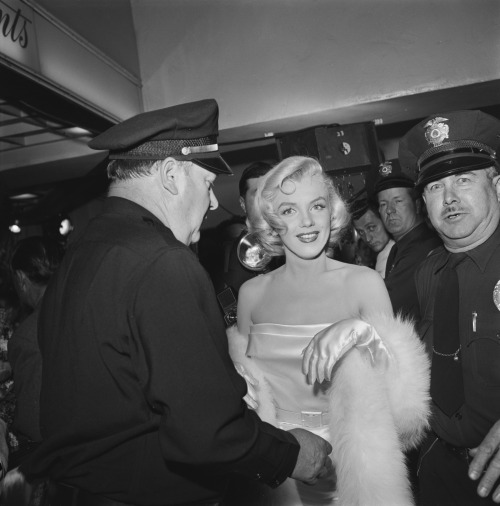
(43, 137)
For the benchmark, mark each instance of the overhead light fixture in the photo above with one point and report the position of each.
(15, 228)
(77, 131)
(65, 227)
(24, 196)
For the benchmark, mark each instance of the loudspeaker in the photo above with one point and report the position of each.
(348, 153)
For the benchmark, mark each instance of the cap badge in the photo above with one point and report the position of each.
(496, 295)
(385, 169)
(208, 148)
(436, 131)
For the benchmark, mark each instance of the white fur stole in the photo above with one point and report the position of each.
(374, 415)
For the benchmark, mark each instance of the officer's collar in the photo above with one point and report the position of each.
(125, 206)
(481, 255)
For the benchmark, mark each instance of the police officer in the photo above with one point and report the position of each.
(401, 212)
(458, 287)
(140, 401)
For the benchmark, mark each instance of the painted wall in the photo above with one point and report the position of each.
(108, 25)
(267, 60)
(274, 64)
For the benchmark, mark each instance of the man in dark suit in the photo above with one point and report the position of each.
(368, 224)
(140, 401)
(401, 212)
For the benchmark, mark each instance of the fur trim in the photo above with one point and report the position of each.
(407, 378)
(374, 415)
(366, 453)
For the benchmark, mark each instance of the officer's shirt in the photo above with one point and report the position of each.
(479, 314)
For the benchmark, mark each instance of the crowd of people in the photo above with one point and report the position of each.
(371, 381)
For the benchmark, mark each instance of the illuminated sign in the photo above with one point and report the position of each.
(18, 34)
(14, 24)
(42, 47)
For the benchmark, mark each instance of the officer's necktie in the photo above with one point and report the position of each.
(390, 259)
(447, 389)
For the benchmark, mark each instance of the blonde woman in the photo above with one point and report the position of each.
(320, 348)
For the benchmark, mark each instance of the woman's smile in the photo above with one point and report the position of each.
(308, 236)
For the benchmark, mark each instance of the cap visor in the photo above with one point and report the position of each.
(387, 185)
(452, 166)
(214, 164)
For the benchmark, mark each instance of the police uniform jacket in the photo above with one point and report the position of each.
(140, 401)
(479, 323)
(412, 248)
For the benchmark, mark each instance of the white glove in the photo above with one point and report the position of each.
(328, 346)
(251, 396)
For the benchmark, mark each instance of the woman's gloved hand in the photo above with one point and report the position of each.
(329, 345)
(251, 396)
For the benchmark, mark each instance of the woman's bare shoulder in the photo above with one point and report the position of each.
(258, 284)
(356, 273)
(250, 296)
(366, 288)
(363, 271)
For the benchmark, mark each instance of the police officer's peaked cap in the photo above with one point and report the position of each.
(450, 143)
(391, 176)
(185, 132)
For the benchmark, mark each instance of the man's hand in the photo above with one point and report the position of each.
(313, 461)
(332, 343)
(251, 396)
(487, 460)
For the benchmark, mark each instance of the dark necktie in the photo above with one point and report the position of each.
(447, 389)
(390, 259)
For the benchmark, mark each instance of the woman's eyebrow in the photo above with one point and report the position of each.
(286, 204)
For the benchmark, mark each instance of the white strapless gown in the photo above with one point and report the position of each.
(277, 350)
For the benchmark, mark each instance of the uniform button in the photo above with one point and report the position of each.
(259, 476)
(458, 416)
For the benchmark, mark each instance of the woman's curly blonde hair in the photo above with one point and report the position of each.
(267, 225)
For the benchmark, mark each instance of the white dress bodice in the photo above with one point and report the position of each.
(277, 350)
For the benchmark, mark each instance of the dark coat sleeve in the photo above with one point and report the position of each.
(189, 379)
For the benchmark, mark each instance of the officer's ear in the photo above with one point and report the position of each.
(242, 205)
(496, 183)
(169, 172)
(21, 280)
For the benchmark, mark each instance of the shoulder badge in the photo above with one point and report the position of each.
(496, 295)
(436, 131)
